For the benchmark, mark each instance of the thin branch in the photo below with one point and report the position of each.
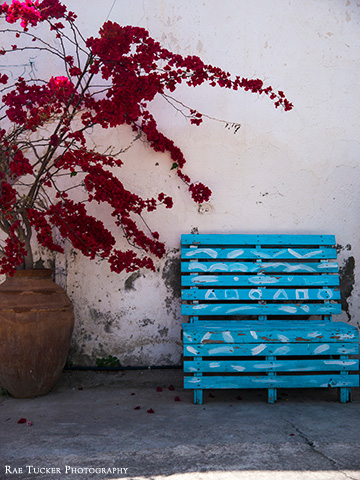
(32, 36)
(65, 36)
(171, 99)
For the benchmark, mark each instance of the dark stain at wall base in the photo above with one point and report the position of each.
(347, 281)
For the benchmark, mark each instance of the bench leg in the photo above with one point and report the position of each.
(344, 392)
(344, 396)
(272, 392)
(198, 397)
(272, 395)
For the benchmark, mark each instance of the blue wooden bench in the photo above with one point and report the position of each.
(260, 309)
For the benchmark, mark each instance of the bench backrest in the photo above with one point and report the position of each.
(259, 277)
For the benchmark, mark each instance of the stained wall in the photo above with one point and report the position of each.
(281, 172)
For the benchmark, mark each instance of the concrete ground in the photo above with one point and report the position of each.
(143, 425)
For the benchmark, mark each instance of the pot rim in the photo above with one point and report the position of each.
(34, 272)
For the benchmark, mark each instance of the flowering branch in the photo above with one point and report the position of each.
(107, 81)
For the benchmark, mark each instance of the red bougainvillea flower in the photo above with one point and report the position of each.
(45, 155)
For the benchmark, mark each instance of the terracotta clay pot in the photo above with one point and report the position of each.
(36, 324)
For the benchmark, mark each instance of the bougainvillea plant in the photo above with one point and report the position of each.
(107, 81)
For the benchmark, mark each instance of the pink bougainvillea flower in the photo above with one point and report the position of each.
(22, 420)
(59, 81)
(159, 389)
(171, 387)
(177, 399)
(150, 410)
(137, 408)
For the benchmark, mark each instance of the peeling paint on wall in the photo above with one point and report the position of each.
(347, 282)
(347, 279)
(171, 273)
(129, 282)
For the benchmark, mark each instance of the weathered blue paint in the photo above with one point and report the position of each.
(345, 393)
(272, 395)
(259, 280)
(279, 350)
(241, 239)
(198, 397)
(270, 331)
(256, 309)
(327, 380)
(245, 253)
(279, 365)
(261, 293)
(280, 282)
(254, 267)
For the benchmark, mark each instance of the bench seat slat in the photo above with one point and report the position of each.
(256, 309)
(280, 365)
(270, 331)
(260, 293)
(252, 267)
(251, 253)
(271, 349)
(277, 381)
(241, 239)
(260, 280)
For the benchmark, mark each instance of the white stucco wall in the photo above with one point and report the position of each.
(282, 172)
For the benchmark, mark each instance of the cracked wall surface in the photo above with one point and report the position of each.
(281, 172)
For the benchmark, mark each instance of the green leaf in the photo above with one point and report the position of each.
(174, 165)
(73, 174)
(110, 361)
